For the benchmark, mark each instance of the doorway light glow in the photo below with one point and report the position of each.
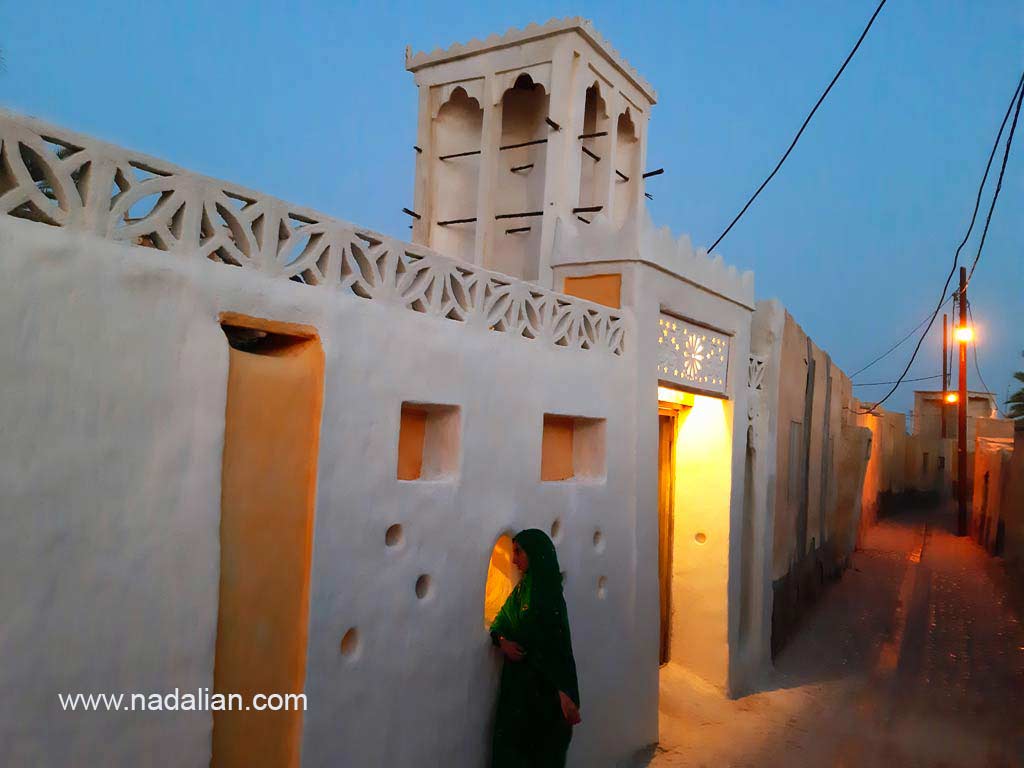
(674, 396)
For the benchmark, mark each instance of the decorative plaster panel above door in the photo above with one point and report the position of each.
(692, 355)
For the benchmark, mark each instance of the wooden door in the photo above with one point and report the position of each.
(666, 491)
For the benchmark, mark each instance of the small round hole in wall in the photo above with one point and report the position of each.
(602, 583)
(598, 540)
(700, 538)
(423, 586)
(350, 643)
(393, 536)
(556, 529)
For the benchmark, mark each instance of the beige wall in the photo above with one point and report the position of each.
(1013, 499)
(809, 474)
(886, 469)
(929, 464)
(792, 473)
(992, 461)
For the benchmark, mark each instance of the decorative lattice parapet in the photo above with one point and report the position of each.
(62, 179)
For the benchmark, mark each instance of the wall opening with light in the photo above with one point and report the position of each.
(428, 441)
(695, 538)
(502, 577)
(572, 448)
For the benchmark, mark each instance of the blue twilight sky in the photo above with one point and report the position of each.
(309, 101)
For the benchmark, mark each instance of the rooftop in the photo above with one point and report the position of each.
(517, 36)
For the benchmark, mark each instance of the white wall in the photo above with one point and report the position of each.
(706, 576)
(115, 374)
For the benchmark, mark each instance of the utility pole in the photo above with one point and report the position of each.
(961, 421)
(945, 373)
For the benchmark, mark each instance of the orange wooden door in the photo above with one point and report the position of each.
(666, 491)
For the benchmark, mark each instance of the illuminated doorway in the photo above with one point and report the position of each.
(695, 460)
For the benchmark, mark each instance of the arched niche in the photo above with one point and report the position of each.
(502, 577)
(594, 142)
(457, 130)
(519, 180)
(627, 162)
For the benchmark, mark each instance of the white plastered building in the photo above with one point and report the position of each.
(210, 393)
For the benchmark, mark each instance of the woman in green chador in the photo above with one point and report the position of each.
(539, 700)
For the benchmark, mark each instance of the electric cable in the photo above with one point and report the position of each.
(891, 349)
(949, 363)
(1017, 92)
(880, 383)
(807, 120)
(999, 182)
(977, 367)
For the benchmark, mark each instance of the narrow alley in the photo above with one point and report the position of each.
(914, 659)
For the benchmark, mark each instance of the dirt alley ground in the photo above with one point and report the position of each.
(914, 659)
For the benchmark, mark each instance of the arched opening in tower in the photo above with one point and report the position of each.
(457, 131)
(627, 168)
(519, 180)
(593, 146)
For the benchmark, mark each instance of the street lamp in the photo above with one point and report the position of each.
(963, 334)
(951, 397)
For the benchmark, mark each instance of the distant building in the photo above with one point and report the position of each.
(929, 407)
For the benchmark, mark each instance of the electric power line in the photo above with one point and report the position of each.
(977, 367)
(880, 383)
(999, 182)
(897, 344)
(807, 120)
(1017, 92)
(949, 362)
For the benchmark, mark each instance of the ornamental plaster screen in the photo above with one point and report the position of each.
(756, 368)
(692, 355)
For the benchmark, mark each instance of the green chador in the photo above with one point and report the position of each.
(530, 730)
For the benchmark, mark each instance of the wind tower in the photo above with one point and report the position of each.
(518, 131)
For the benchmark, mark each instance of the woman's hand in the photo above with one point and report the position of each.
(512, 651)
(570, 711)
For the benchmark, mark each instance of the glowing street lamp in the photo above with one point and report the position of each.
(951, 397)
(963, 334)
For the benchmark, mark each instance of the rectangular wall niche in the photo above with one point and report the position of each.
(428, 442)
(268, 489)
(692, 355)
(600, 289)
(572, 448)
